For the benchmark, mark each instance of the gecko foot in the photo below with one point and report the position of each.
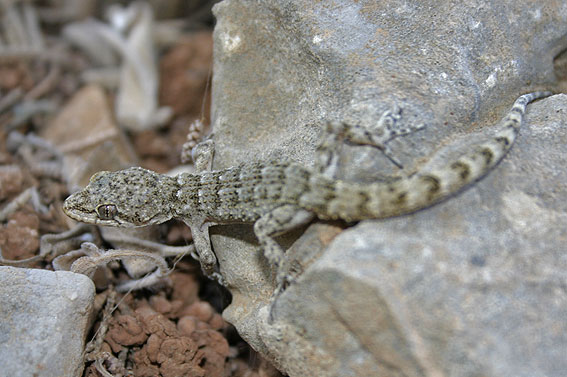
(283, 280)
(377, 135)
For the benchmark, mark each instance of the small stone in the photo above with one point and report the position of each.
(201, 310)
(216, 322)
(187, 324)
(213, 350)
(152, 347)
(160, 304)
(16, 74)
(44, 319)
(85, 131)
(19, 238)
(24, 219)
(177, 358)
(203, 325)
(125, 330)
(185, 288)
(155, 323)
(11, 180)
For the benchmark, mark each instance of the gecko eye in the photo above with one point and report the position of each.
(106, 211)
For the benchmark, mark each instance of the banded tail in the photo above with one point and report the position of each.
(332, 199)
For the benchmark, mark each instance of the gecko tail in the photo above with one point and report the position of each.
(352, 202)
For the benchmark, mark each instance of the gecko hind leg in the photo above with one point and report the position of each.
(276, 222)
(202, 155)
(271, 224)
(378, 135)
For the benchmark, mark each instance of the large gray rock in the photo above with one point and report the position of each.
(44, 319)
(469, 287)
(473, 286)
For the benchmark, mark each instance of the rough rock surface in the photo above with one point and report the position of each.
(44, 316)
(473, 286)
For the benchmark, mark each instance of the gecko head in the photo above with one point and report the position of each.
(127, 198)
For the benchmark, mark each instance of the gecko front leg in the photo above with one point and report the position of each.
(204, 252)
(202, 155)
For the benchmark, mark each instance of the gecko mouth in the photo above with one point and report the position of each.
(89, 217)
(78, 215)
(73, 208)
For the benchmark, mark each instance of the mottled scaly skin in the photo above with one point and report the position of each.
(243, 193)
(282, 195)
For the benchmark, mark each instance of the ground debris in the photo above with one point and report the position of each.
(58, 127)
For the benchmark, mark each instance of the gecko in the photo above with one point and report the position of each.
(279, 196)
